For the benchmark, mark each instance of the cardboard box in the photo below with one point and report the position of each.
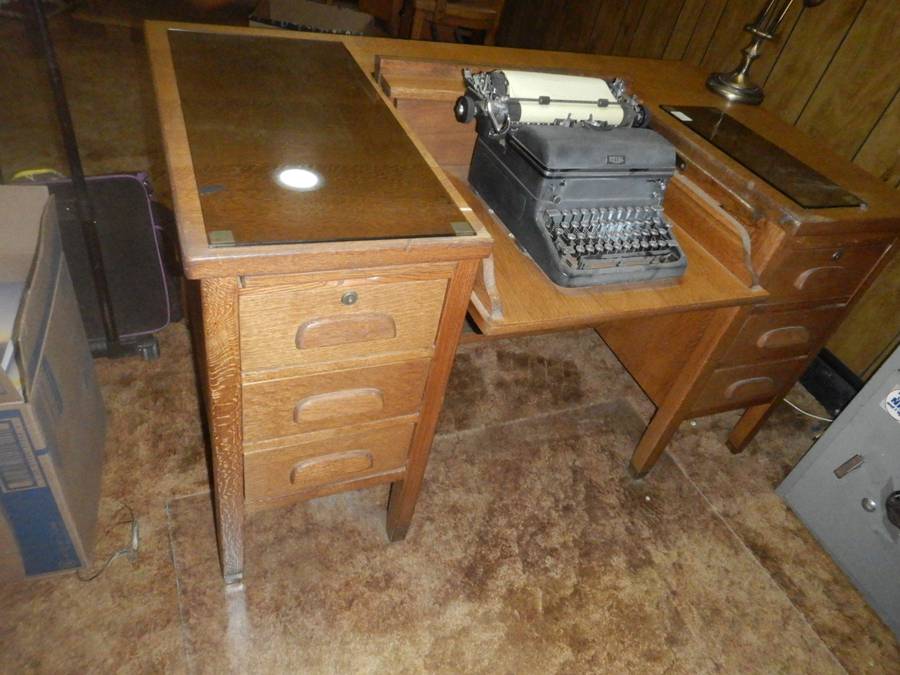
(52, 420)
(307, 15)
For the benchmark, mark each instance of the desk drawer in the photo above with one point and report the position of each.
(325, 460)
(338, 320)
(768, 335)
(743, 386)
(820, 273)
(296, 405)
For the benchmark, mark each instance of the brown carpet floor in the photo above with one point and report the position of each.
(532, 551)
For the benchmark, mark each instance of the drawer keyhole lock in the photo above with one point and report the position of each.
(349, 298)
(837, 255)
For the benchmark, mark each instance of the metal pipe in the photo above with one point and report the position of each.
(83, 203)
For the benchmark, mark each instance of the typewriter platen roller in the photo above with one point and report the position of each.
(572, 173)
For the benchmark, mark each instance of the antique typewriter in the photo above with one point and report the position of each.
(568, 166)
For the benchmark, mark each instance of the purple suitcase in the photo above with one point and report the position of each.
(139, 259)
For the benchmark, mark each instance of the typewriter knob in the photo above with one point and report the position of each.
(464, 109)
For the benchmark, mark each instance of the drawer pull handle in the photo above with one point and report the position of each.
(752, 386)
(786, 336)
(851, 464)
(344, 403)
(333, 467)
(816, 275)
(338, 330)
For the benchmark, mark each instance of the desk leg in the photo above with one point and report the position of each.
(405, 493)
(223, 385)
(679, 401)
(750, 422)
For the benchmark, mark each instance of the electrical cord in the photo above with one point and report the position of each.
(807, 413)
(131, 550)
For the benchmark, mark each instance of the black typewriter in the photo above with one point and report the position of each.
(568, 166)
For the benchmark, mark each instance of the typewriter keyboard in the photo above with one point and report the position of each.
(611, 236)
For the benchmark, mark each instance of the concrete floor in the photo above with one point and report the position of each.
(531, 550)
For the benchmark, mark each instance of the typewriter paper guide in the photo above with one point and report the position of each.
(255, 106)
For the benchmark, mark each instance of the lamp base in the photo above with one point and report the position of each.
(736, 87)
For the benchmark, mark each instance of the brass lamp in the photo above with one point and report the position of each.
(737, 86)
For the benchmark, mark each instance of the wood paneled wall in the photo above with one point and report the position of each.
(833, 71)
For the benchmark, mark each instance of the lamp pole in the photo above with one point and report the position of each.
(737, 85)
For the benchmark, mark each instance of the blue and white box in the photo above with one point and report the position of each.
(52, 420)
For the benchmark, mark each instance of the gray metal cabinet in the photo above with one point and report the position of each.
(846, 490)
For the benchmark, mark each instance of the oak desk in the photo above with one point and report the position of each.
(326, 361)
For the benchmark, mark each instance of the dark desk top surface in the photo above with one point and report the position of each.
(256, 106)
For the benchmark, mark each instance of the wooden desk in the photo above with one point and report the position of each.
(330, 311)
(360, 405)
(699, 347)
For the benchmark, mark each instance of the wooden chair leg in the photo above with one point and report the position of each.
(418, 25)
(750, 422)
(490, 36)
